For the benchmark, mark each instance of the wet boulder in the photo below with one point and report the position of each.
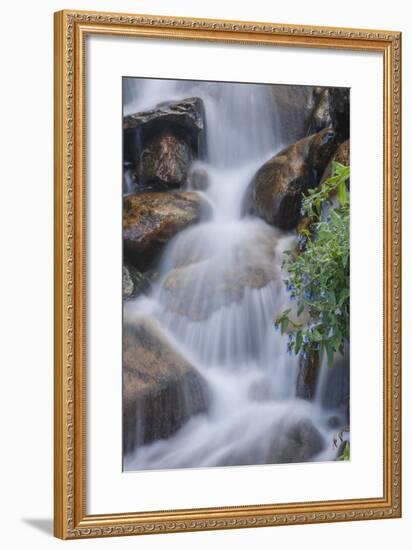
(298, 441)
(308, 375)
(275, 193)
(163, 142)
(164, 163)
(342, 155)
(161, 389)
(340, 112)
(335, 390)
(330, 110)
(135, 282)
(150, 220)
(294, 106)
(320, 116)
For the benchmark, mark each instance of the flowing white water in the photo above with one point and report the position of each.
(227, 290)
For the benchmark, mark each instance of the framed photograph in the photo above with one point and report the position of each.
(227, 274)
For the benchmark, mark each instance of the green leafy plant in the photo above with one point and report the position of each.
(346, 452)
(319, 272)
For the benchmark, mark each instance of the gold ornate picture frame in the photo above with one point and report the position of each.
(71, 519)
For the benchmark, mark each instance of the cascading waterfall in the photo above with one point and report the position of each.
(227, 281)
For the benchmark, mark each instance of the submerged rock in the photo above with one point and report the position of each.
(261, 390)
(275, 193)
(198, 179)
(297, 442)
(220, 287)
(198, 289)
(161, 389)
(163, 142)
(150, 220)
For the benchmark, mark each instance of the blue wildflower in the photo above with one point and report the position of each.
(277, 326)
(289, 348)
(289, 286)
(338, 311)
(306, 339)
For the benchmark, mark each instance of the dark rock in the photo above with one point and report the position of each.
(150, 220)
(294, 106)
(320, 117)
(340, 112)
(161, 389)
(308, 376)
(340, 441)
(162, 143)
(334, 422)
(336, 388)
(129, 179)
(184, 118)
(342, 155)
(135, 282)
(275, 193)
(296, 442)
(331, 110)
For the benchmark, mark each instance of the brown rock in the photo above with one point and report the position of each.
(275, 193)
(342, 155)
(164, 163)
(161, 389)
(150, 220)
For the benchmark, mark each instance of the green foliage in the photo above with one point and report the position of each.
(319, 272)
(346, 452)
